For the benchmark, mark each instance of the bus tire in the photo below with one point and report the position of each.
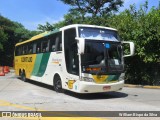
(20, 74)
(23, 76)
(57, 84)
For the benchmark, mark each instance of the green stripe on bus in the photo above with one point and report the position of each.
(43, 64)
(40, 64)
(37, 64)
(113, 77)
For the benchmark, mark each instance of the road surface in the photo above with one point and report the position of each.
(16, 95)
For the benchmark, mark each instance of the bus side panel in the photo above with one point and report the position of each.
(25, 62)
(37, 64)
(40, 64)
(54, 65)
(40, 67)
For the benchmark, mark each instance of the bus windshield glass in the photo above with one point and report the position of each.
(102, 54)
(98, 34)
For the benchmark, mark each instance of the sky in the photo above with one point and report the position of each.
(30, 13)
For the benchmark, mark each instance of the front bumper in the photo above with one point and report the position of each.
(89, 87)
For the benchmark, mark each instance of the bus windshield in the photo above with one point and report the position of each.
(98, 34)
(106, 56)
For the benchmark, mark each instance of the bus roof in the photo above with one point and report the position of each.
(63, 28)
(85, 25)
(38, 36)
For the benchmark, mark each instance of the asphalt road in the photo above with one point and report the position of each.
(16, 95)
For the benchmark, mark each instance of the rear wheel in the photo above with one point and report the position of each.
(20, 74)
(23, 76)
(57, 84)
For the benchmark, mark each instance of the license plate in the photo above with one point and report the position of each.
(106, 87)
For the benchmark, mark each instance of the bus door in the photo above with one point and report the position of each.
(71, 55)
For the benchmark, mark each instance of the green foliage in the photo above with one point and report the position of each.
(138, 25)
(94, 7)
(3, 38)
(11, 33)
(143, 28)
(46, 27)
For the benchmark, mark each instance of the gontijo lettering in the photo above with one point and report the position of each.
(26, 59)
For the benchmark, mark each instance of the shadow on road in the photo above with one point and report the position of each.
(40, 84)
(93, 96)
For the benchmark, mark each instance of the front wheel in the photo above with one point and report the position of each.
(57, 84)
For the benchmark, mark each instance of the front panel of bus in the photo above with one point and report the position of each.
(102, 62)
(100, 67)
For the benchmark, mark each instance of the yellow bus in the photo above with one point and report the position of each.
(80, 58)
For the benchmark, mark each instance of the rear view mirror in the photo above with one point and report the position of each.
(131, 48)
(81, 45)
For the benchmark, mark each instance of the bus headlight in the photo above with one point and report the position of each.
(87, 79)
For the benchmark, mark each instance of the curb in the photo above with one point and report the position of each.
(141, 86)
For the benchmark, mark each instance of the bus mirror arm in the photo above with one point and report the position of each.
(132, 48)
(80, 45)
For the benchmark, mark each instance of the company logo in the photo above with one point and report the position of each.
(6, 114)
(26, 59)
(21, 114)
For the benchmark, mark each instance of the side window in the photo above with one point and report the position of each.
(38, 47)
(48, 43)
(17, 50)
(45, 46)
(20, 50)
(58, 42)
(53, 46)
(55, 42)
(34, 48)
(24, 49)
(30, 48)
(52, 43)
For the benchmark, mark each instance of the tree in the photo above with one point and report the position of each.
(10, 33)
(94, 7)
(46, 27)
(3, 38)
(143, 28)
(85, 12)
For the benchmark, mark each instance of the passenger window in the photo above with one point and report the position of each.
(24, 49)
(16, 51)
(52, 43)
(59, 42)
(30, 48)
(38, 47)
(45, 47)
(20, 50)
(34, 47)
(53, 47)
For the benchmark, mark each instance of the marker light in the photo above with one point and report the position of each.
(93, 69)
